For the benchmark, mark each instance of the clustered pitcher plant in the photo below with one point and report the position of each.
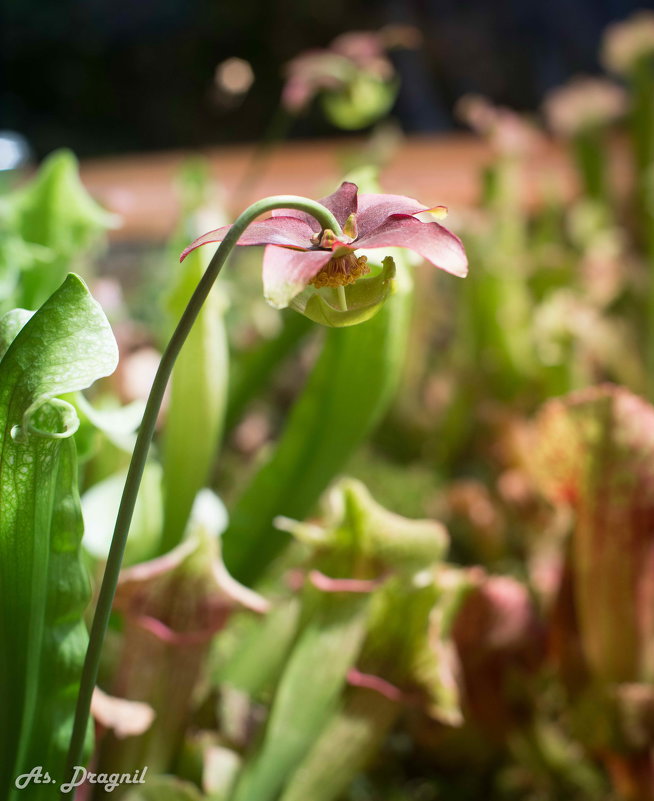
(291, 620)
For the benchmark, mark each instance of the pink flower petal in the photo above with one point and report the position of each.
(309, 73)
(430, 240)
(341, 203)
(366, 680)
(287, 272)
(284, 231)
(376, 209)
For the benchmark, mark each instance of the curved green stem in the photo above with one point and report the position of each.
(139, 456)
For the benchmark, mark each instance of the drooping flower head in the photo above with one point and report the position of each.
(353, 78)
(584, 103)
(299, 254)
(508, 133)
(628, 41)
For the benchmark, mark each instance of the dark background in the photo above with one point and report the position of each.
(108, 76)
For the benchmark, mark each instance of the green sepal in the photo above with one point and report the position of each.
(361, 102)
(364, 299)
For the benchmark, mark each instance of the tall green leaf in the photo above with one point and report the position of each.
(64, 347)
(253, 369)
(197, 405)
(353, 735)
(350, 388)
(198, 391)
(308, 692)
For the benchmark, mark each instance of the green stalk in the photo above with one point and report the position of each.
(590, 154)
(146, 432)
(275, 133)
(340, 298)
(642, 132)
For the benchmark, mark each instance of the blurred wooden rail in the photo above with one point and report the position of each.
(439, 170)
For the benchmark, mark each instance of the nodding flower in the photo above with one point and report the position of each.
(299, 254)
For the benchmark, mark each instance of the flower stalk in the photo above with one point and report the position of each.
(146, 432)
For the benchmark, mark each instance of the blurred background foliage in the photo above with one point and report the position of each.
(105, 77)
(380, 654)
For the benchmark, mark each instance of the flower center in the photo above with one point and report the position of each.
(341, 270)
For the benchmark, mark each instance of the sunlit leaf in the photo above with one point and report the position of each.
(198, 398)
(350, 739)
(102, 498)
(64, 347)
(58, 221)
(308, 692)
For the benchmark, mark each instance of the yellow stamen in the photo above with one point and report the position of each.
(342, 271)
(350, 227)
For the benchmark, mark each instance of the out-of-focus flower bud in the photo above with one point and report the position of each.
(584, 103)
(353, 78)
(232, 81)
(508, 132)
(626, 42)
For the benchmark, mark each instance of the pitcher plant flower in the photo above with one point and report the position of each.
(509, 134)
(584, 103)
(301, 256)
(629, 41)
(353, 78)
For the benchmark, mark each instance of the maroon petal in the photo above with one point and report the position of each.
(341, 203)
(284, 231)
(429, 240)
(376, 209)
(287, 272)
